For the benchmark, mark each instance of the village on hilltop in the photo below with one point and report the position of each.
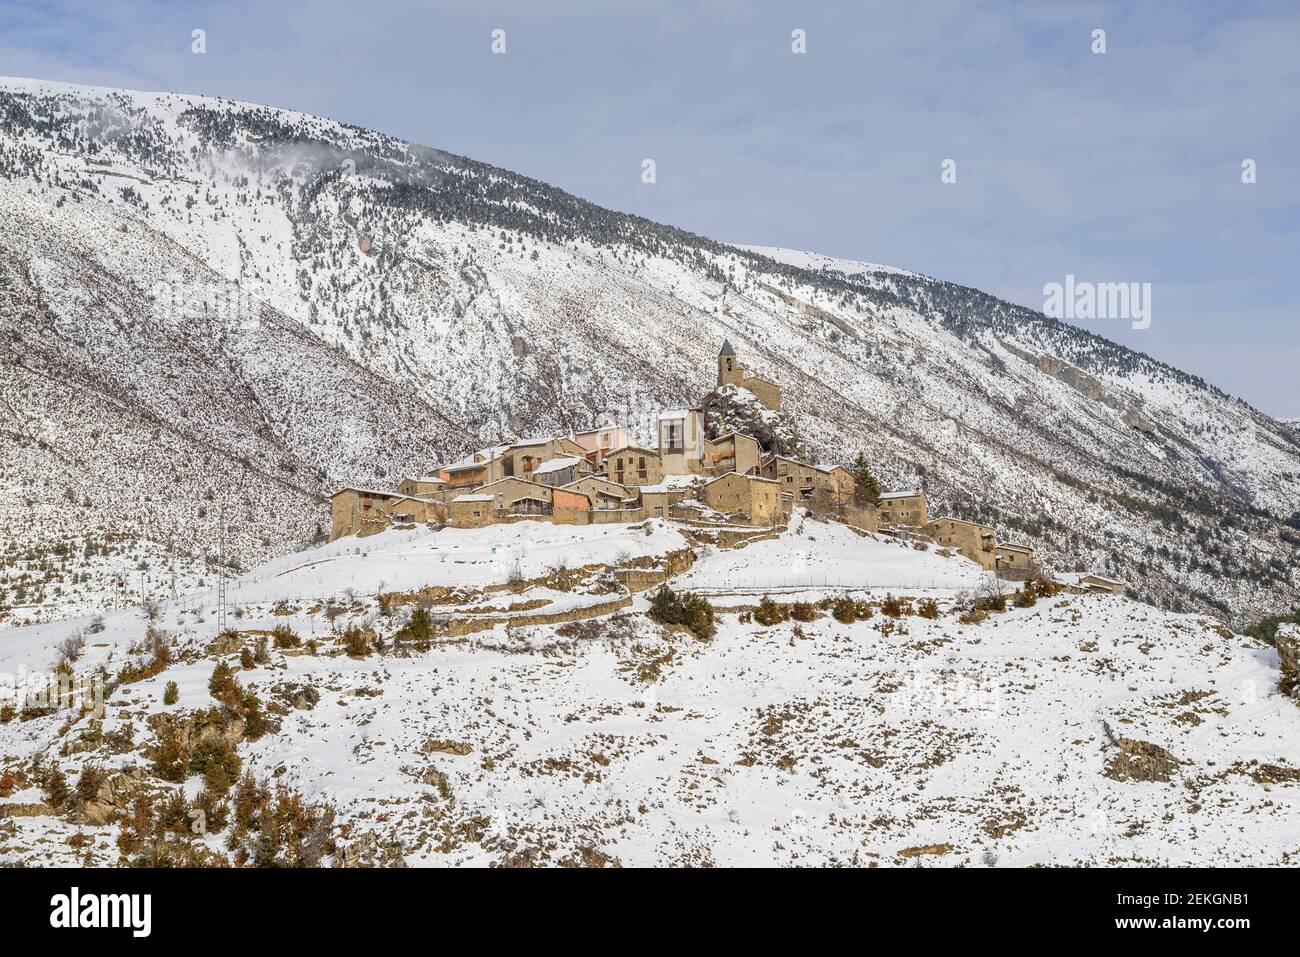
(606, 475)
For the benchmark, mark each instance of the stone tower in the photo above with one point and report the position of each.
(730, 371)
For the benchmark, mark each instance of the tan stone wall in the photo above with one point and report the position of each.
(865, 517)
(910, 511)
(769, 393)
(1013, 562)
(634, 467)
(471, 514)
(352, 510)
(759, 500)
(974, 541)
(607, 516)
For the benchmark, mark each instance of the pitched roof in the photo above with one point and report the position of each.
(911, 494)
(556, 465)
(726, 348)
(472, 498)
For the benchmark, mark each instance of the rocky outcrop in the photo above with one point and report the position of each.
(733, 408)
(1085, 384)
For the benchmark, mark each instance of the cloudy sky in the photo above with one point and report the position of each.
(1117, 167)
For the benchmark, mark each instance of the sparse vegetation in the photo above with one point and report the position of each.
(687, 609)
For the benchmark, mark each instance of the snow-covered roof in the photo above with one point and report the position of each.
(424, 478)
(462, 466)
(367, 491)
(529, 443)
(913, 493)
(751, 478)
(557, 465)
(677, 414)
(472, 498)
(672, 483)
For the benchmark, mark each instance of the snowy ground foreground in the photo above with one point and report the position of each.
(830, 559)
(894, 741)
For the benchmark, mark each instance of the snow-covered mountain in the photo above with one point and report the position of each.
(212, 313)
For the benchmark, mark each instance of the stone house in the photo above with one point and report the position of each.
(598, 443)
(1093, 582)
(603, 493)
(562, 471)
(522, 458)
(733, 452)
(731, 372)
(806, 481)
(634, 465)
(657, 500)
(422, 485)
(752, 499)
(1014, 562)
(681, 441)
(904, 509)
(977, 542)
(354, 510)
(470, 510)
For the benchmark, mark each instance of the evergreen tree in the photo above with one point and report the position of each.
(866, 490)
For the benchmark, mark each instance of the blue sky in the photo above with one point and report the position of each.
(1120, 167)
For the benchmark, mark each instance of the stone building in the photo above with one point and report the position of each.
(732, 452)
(753, 500)
(634, 465)
(731, 372)
(977, 542)
(904, 509)
(681, 441)
(357, 510)
(1014, 562)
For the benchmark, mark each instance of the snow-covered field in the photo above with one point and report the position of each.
(894, 740)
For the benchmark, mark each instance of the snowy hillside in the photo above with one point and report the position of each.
(1084, 729)
(213, 313)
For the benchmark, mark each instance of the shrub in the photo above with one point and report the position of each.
(1027, 597)
(1045, 587)
(89, 782)
(770, 612)
(222, 683)
(246, 659)
(277, 828)
(171, 694)
(56, 789)
(928, 609)
(688, 609)
(285, 637)
(845, 611)
(260, 653)
(356, 641)
(803, 611)
(218, 762)
(420, 627)
(70, 648)
(893, 607)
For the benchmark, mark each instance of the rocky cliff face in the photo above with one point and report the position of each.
(733, 408)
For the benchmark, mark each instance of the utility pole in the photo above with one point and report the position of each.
(221, 574)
